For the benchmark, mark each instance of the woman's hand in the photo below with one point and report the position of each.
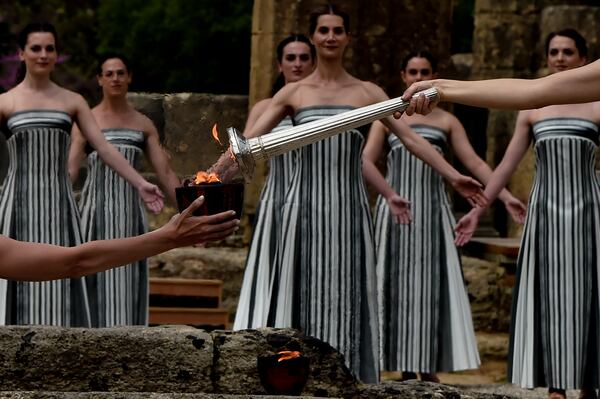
(419, 104)
(400, 209)
(516, 209)
(470, 189)
(185, 229)
(465, 228)
(152, 197)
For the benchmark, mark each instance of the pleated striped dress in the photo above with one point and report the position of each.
(37, 205)
(326, 286)
(554, 332)
(111, 208)
(424, 313)
(256, 294)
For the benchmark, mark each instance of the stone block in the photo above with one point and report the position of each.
(133, 359)
(236, 356)
(507, 6)
(583, 18)
(505, 42)
(490, 294)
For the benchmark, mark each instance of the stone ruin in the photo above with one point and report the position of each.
(176, 362)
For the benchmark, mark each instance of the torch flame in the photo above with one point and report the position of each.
(287, 355)
(215, 134)
(205, 177)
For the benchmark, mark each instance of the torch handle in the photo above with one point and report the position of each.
(273, 144)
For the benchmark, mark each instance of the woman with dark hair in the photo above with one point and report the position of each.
(296, 58)
(325, 280)
(555, 319)
(425, 316)
(110, 206)
(36, 202)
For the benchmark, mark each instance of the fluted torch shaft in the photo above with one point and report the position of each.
(269, 145)
(273, 144)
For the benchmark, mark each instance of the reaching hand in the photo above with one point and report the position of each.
(466, 227)
(516, 209)
(225, 167)
(400, 209)
(420, 104)
(471, 190)
(152, 197)
(186, 229)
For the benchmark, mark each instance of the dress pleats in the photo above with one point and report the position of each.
(111, 208)
(37, 205)
(424, 313)
(554, 331)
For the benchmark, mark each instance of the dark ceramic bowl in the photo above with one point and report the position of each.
(283, 378)
(218, 197)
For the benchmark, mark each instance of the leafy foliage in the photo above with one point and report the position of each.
(174, 45)
(181, 45)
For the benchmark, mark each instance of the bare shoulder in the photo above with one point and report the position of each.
(373, 91)
(72, 100)
(5, 105)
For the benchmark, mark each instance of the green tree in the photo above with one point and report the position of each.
(180, 45)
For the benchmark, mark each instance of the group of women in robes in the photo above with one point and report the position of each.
(387, 293)
(329, 269)
(49, 130)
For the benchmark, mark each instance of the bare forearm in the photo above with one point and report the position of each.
(483, 173)
(573, 86)
(96, 256)
(40, 262)
(376, 179)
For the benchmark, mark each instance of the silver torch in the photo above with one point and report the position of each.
(247, 151)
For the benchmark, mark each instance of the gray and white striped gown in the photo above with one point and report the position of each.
(111, 208)
(327, 282)
(424, 313)
(37, 205)
(260, 273)
(554, 332)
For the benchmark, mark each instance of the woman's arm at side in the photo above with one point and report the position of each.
(399, 206)
(514, 153)
(22, 260)
(461, 146)
(76, 153)
(160, 162)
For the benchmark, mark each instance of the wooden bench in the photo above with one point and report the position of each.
(495, 249)
(195, 302)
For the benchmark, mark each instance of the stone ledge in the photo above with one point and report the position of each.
(131, 395)
(159, 360)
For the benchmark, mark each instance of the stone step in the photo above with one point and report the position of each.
(161, 359)
(132, 395)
